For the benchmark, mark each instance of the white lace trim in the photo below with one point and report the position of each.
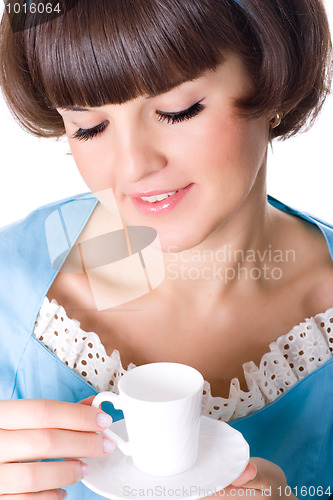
(291, 358)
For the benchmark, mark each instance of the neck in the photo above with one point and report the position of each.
(238, 255)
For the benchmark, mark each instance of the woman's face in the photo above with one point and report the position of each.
(188, 147)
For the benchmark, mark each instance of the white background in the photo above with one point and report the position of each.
(35, 171)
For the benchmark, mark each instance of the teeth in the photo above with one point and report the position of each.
(159, 197)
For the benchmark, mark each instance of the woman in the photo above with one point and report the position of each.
(169, 108)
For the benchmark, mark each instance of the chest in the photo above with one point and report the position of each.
(216, 338)
(217, 342)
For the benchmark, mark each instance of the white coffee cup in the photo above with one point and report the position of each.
(161, 403)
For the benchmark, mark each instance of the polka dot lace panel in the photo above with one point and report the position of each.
(81, 351)
(291, 358)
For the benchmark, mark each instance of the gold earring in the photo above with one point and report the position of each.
(275, 122)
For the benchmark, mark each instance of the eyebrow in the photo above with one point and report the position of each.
(75, 108)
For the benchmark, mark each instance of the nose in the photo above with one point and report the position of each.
(138, 155)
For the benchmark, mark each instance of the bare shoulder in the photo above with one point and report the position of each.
(313, 263)
(319, 295)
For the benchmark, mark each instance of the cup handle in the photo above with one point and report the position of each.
(123, 445)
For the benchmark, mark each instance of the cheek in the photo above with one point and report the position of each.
(227, 149)
(244, 144)
(92, 164)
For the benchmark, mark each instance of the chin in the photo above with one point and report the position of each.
(178, 242)
(174, 235)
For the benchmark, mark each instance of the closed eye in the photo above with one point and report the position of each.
(84, 134)
(180, 116)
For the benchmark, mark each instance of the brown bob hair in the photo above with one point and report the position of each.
(111, 51)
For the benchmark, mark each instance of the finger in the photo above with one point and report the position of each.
(40, 476)
(87, 401)
(267, 475)
(24, 445)
(41, 495)
(47, 413)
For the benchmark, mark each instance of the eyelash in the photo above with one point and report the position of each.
(182, 116)
(170, 118)
(84, 134)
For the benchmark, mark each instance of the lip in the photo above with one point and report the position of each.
(152, 193)
(159, 208)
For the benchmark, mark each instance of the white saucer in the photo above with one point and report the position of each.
(223, 456)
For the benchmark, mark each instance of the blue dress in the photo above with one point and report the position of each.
(295, 431)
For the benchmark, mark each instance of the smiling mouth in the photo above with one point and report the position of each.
(158, 197)
(159, 202)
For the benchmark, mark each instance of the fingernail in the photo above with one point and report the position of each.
(84, 469)
(108, 445)
(103, 420)
(63, 493)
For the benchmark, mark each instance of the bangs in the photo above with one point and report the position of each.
(111, 51)
(105, 51)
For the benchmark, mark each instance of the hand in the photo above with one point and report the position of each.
(32, 430)
(263, 478)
